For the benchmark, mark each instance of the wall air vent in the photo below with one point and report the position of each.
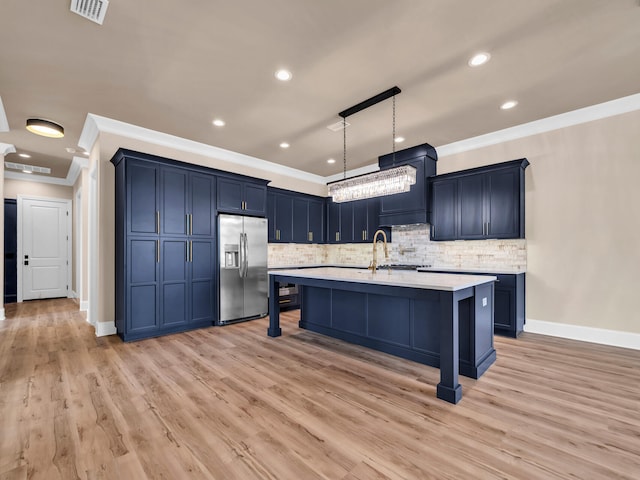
(337, 127)
(27, 168)
(93, 10)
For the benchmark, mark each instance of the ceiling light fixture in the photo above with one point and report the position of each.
(398, 139)
(479, 59)
(284, 145)
(508, 105)
(376, 184)
(284, 75)
(46, 128)
(24, 155)
(219, 123)
(331, 160)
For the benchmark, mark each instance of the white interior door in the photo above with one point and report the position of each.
(45, 248)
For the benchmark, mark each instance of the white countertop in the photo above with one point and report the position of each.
(488, 271)
(396, 278)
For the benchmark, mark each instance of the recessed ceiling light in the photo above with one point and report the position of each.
(24, 155)
(508, 105)
(479, 59)
(331, 160)
(284, 145)
(46, 128)
(398, 139)
(283, 75)
(219, 123)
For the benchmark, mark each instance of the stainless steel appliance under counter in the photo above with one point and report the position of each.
(243, 268)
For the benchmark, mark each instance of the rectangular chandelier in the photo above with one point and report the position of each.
(377, 184)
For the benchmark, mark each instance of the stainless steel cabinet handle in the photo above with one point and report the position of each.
(191, 224)
(191, 250)
(157, 251)
(488, 224)
(157, 221)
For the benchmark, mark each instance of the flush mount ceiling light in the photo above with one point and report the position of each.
(508, 105)
(398, 139)
(219, 123)
(284, 75)
(377, 184)
(479, 59)
(46, 128)
(331, 160)
(284, 145)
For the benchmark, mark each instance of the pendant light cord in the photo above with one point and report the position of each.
(344, 148)
(393, 134)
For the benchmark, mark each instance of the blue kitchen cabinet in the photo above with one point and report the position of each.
(316, 221)
(242, 196)
(142, 190)
(479, 203)
(412, 206)
(333, 221)
(165, 246)
(444, 216)
(346, 222)
(366, 219)
(295, 217)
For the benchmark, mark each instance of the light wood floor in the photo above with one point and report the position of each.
(231, 403)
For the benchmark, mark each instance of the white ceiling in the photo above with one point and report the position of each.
(175, 66)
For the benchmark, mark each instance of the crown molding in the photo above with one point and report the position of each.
(575, 117)
(6, 148)
(95, 124)
(4, 123)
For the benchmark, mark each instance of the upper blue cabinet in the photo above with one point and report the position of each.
(479, 203)
(295, 217)
(242, 195)
(412, 206)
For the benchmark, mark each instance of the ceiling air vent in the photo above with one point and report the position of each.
(336, 127)
(27, 168)
(93, 10)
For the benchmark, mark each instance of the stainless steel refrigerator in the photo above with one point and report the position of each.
(243, 268)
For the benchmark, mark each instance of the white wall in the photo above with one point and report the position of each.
(582, 220)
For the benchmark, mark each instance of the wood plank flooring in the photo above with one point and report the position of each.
(231, 403)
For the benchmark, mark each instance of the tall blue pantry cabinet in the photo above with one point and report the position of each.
(165, 246)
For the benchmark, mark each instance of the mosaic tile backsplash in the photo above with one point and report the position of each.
(410, 245)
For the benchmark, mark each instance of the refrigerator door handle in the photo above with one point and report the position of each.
(241, 254)
(246, 256)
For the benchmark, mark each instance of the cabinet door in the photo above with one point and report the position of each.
(142, 286)
(360, 220)
(202, 295)
(142, 198)
(444, 212)
(414, 199)
(373, 219)
(255, 199)
(173, 201)
(503, 204)
(202, 205)
(504, 308)
(174, 284)
(316, 221)
(471, 207)
(300, 220)
(333, 222)
(346, 222)
(271, 217)
(284, 218)
(229, 195)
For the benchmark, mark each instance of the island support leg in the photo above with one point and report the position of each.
(274, 329)
(449, 389)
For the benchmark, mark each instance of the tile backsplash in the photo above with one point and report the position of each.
(410, 245)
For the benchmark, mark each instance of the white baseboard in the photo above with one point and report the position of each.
(73, 294)
(585, 334)
(105, 328)
(2, 317)
(84, 305)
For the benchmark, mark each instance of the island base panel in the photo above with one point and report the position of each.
(448, 394)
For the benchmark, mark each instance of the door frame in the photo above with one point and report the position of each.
(68, 203)
(77, 241)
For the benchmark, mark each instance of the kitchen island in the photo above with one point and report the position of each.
(442, 320)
